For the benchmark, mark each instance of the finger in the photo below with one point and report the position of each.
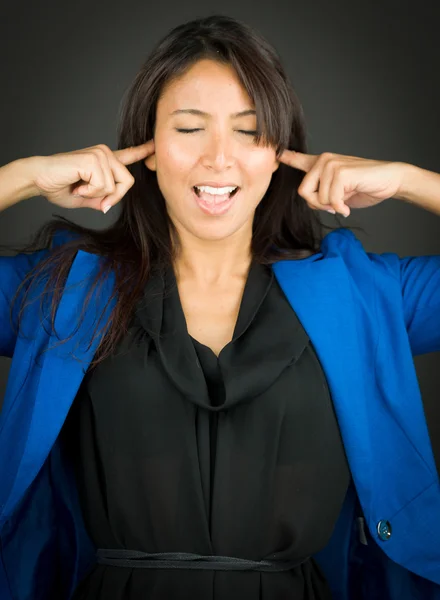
(94, 203)
(123, 182)
(103, 154)
(131, 155)
(336, 195)
(309, 187)
(92, 173)
(298, 160)
(325, 181)
(91, 190)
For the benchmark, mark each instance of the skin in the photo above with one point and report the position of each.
(215, 248)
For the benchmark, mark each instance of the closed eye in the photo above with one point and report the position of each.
(239, 130)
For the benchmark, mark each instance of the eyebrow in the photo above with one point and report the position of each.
(200, 113)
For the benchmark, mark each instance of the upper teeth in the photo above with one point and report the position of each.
(213, 190)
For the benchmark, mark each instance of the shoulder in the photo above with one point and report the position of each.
(342, 255)
(345, 244)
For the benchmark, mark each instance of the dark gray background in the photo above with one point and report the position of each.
(366, 74)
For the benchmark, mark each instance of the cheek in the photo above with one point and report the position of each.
(173, 168)
(261, 161)
(260, 172)
(174, 158)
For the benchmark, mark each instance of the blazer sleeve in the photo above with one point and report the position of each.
(419, 278)
(420, 284)
(13, 270)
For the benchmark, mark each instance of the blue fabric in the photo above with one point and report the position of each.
(367, 316)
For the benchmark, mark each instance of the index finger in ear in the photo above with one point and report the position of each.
(298, 160)
(131, 155)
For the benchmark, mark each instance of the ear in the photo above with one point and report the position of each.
(150, 162)
(276, 165)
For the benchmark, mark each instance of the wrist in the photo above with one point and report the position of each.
(409, 175)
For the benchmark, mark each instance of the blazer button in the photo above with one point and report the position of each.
(384, 530)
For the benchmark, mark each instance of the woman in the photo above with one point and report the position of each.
(222, 394)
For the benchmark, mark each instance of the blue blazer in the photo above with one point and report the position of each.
(367, 315)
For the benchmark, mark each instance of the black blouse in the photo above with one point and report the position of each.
(178, 451)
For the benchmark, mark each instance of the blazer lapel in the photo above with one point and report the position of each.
(321, 293)
(60, 375)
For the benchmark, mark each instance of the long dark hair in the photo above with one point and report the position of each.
(143, 239)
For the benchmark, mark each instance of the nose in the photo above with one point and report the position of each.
(218, 153)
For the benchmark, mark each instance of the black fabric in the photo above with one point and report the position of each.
(176, 450)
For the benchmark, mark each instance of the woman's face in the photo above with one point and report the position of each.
(219, 152)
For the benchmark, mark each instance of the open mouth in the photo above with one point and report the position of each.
(230, 195)
(215, 205)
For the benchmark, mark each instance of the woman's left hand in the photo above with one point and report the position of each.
(335, 182)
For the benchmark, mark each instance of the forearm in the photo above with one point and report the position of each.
(420, 187)
(16, 182)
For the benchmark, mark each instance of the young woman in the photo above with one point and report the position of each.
(208, 398)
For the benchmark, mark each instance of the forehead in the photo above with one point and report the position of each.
(208, 86)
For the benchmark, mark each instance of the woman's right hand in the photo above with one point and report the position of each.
(93, 177)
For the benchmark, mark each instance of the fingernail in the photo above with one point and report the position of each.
(105, 209)
(331, 210)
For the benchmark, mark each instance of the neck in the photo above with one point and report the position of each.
(213, 263)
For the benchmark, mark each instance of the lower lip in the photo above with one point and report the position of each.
(215, 209)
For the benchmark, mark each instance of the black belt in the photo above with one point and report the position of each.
(186, 560)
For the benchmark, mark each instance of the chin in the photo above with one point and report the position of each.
(213, 234)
